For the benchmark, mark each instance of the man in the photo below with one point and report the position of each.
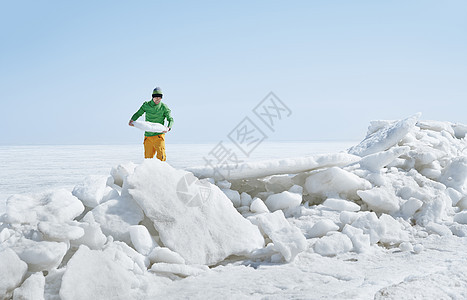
(156, 112)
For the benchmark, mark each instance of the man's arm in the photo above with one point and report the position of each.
(137, 114)
(169, 117)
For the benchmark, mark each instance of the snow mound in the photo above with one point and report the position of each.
(12, 273)
(56, 206)
(341, 205)
(116, 217)
(33, 285)
(193, 218)
(322, 227)
(148, 225)
(80, 282)
(335, 182)
(284, 200)
(333, 244)
(286, 238)
(385, 137)
(93, 191)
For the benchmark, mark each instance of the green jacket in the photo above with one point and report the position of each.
(155, 114)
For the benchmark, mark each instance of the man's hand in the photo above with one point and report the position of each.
(165, 131)
(131, 123)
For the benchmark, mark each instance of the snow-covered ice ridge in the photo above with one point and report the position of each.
(134, 233)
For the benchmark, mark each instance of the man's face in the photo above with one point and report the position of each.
(156, 99)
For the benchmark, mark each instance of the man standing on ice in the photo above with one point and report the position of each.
(156, 112)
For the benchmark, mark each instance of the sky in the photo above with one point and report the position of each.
(74, 72)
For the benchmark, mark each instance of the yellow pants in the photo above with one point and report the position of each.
(153, 144)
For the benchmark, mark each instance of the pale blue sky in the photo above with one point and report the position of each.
(73, 72)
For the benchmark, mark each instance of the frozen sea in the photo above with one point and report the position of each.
(26, 169)
(390, 221)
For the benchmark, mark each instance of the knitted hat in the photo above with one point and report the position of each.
(157, 92)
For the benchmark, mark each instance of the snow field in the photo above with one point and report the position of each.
(146, 226)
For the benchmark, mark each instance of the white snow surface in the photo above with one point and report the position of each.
(12, 272)
(193, 218)
(286, 239)
(387, 220)
(386, 137)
